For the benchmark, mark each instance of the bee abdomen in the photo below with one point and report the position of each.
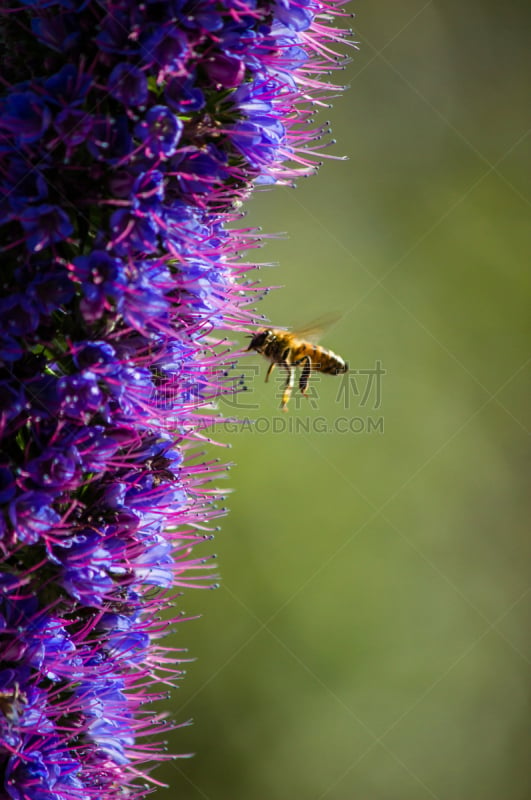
(327, 361)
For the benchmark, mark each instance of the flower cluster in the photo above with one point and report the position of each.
(130, 133)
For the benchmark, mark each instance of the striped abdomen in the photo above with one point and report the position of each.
(323, 360)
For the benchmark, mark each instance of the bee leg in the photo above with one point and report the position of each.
(270, 370)
(305, 373)
(288, 386)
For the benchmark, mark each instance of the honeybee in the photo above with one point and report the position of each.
(291, 349)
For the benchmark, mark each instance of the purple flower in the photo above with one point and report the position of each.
(133, 232)
(128, 85)
(54, 468)
(68, 87)
(50, 291)
(31, 515)
(26, 116)
(102, 279)
(85, 565)
(129, 134)
(160, 132)
(225, 71)
(297, 16)
(24, 185)
(18, 315)
(166, 50)
(183, 95)
(111, 139)
(73, 127)
(44, 225)
(79, 396)
(198, 171)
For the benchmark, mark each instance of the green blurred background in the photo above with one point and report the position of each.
(368, 641)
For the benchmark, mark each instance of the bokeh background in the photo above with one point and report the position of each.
(369, 640)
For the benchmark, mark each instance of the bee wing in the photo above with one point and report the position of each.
(315, 329)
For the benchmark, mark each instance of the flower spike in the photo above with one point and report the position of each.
(130, 135)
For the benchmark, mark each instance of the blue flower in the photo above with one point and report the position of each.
(133, 232)
(44, 225)
(73, 127)
(43, 770)
(31, 516)
(183, 95)
(128, 85)
(79, 396)
(68, 87)
(56, 468)
(225, 71)
(18, 315)
(102, 279)
(26, 116)
(200, 170)
(24, 185)
(85, 564)
(166, 50)
(50, 291)
(160, 132)
(110, 139)
(148, 190)
(295, 15)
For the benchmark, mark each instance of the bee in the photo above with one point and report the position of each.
(291, 349)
